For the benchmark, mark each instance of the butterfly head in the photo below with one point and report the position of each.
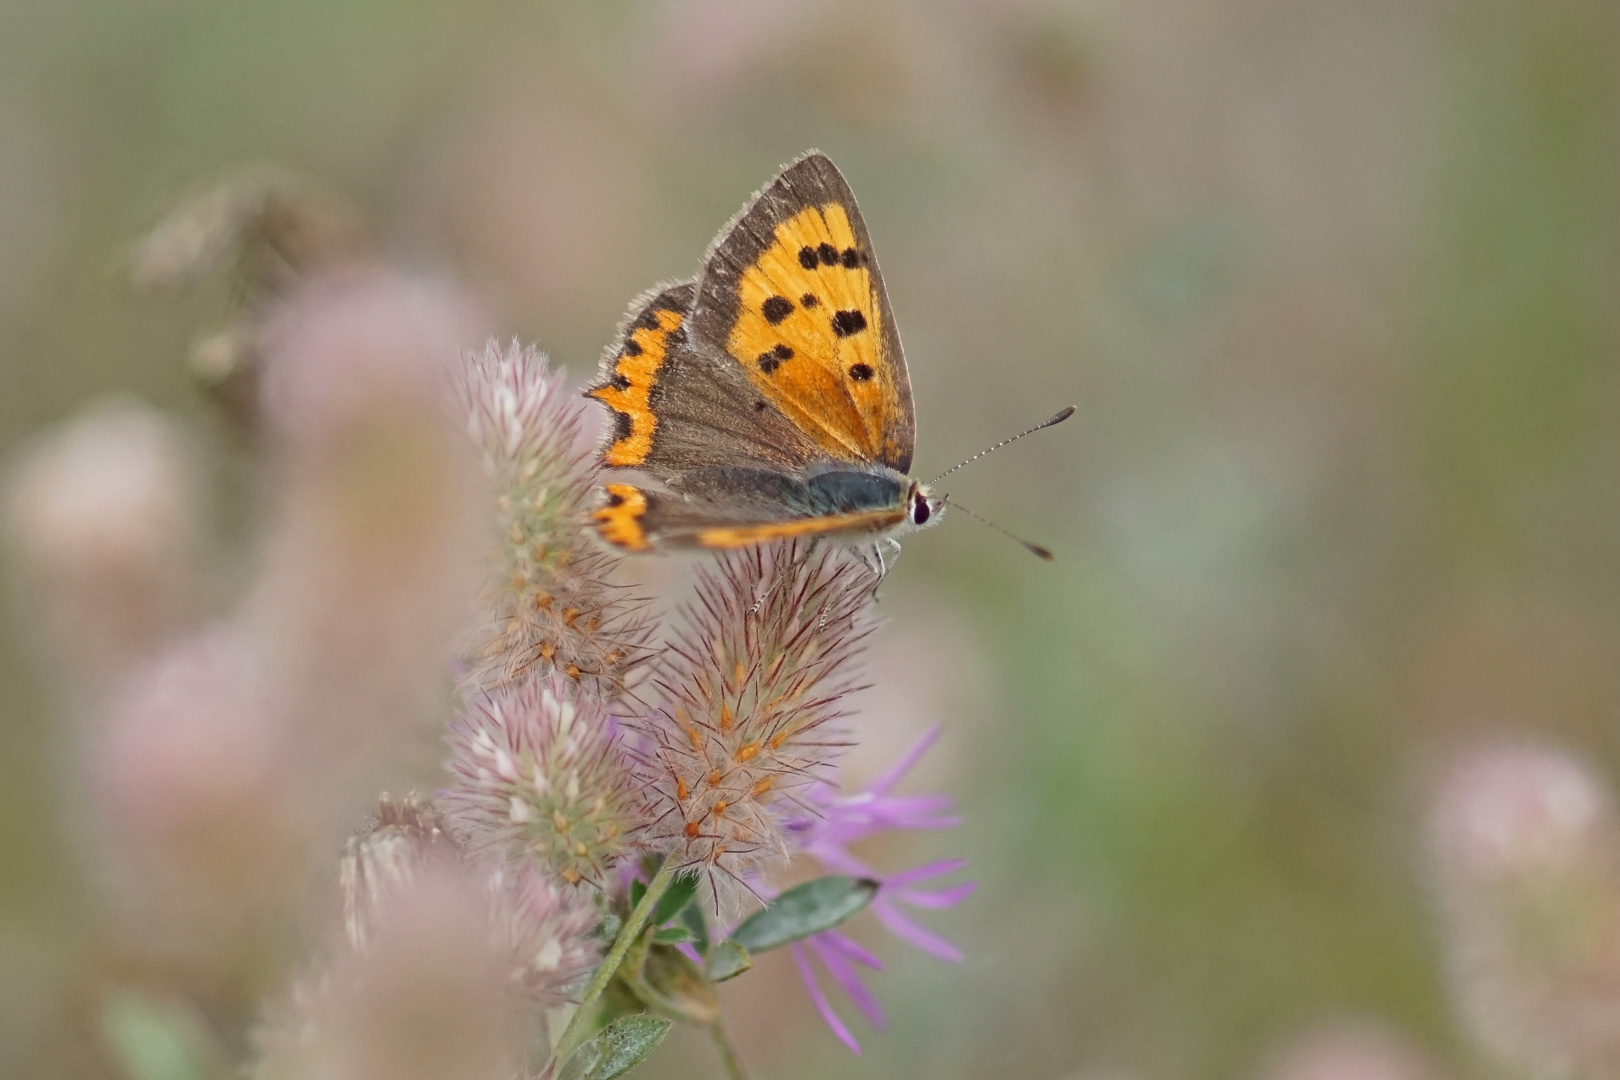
(923, 507)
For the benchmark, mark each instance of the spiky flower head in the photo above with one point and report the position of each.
(539, 771)
(550, 605)
(749, 694)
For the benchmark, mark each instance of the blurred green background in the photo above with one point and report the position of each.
(1336, 288)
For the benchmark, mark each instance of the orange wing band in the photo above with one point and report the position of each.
(628, 393)
(619, 522)
(734, 536)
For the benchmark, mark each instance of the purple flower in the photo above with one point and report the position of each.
(847, 820)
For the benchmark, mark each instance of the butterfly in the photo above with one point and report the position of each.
(768, 397)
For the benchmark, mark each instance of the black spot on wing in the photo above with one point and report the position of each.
(619, 382)
(622, 426)
(861, 372)
(828, 253)
(807, 258)
(845, 323)
(851, 258)
(770, 361)
(632, 348)
(808, 300)
(776, 309)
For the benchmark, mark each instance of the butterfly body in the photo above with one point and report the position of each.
(769, 397)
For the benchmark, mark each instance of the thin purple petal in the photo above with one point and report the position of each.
(851, 948)
(845, 975)
(907, 760)
(927, 870)
(839, 861)
(913, 933)
(935, 898)
(822, 1005)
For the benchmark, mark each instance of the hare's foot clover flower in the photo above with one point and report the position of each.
(539, 772)
(750, 694)
(617, 791)
(550, 604)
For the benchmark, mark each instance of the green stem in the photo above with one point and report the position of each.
(728, 1053)
(634, 924)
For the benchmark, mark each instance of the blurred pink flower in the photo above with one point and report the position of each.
(426, 998)
(192, 803)
(377, 522)
(103, 521)
(1526, 846)
(1351, 1049)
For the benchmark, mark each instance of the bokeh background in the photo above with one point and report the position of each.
(1335, 288)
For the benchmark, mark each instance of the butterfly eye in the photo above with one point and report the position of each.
(920, 511)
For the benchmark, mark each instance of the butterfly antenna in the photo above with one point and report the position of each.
(1034, 549)
(1058, 419)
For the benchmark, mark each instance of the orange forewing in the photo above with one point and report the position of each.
(811, 336)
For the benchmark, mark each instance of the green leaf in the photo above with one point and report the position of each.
(692, 919)
(155, 1040)
(638, 889)
(804, 910)
(727, 960)
(672, 985)
(672, 935)
(675, 898)
(616, 1049)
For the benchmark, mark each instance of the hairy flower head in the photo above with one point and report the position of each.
(547, 932)
(538, 771)
(749, 695)
(549, 605)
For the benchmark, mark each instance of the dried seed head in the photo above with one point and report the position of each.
(272, 224)
(539, 771)
(549, 605)
(1527, 873)
(405, 836)
(749, 695)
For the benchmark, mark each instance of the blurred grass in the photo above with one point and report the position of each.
(1334, 287)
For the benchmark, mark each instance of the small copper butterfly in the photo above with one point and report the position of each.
(769, 397)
